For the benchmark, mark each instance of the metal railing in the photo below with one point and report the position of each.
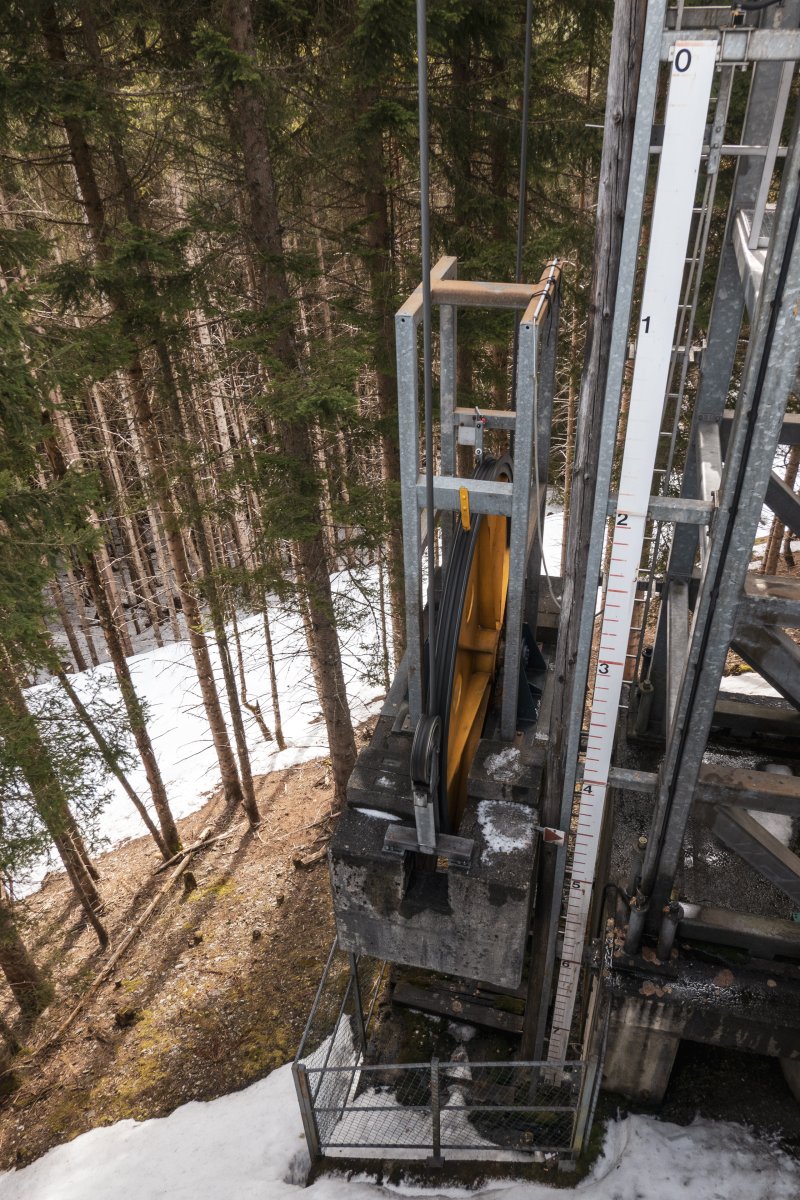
(421, 1109)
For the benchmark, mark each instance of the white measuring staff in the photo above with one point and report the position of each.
(691, 74)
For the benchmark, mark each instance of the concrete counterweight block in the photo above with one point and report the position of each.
(471, 923)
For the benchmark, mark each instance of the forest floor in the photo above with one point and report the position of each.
(211, 996)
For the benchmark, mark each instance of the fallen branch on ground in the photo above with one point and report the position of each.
(200, 844)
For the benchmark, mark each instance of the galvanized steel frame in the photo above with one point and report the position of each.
(521, 500)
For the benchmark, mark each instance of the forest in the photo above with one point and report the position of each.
(210, 214)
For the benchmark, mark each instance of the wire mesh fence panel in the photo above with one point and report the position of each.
(511, 1106)
(387, 1107)
(349, 1103)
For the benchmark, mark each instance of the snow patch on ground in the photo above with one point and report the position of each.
(377, 814)
(250, 1146)
(461, 1033)
(505, 826)
(503, 766)
(748, 684)
(166, 681)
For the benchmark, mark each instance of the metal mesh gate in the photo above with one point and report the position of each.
(478, 1109)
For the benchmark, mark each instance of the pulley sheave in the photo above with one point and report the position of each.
(469, 626)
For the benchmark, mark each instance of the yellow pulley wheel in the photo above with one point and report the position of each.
(469, 627)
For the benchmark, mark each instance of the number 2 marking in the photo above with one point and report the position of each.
(622, 520)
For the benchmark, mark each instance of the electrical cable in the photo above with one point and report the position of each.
(425, 232)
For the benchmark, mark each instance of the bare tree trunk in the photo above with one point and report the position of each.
(83, 620)
(81, 155)
(249, 120)
(66, 623)
(19, 729)
(111, 763)
(380, 268)
(252, 706)
(31, 989)
(273, 681)
(777, 529)
(248, 795)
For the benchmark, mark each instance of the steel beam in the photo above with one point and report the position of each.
(771, 600)
(764, 937)
(756, 845)
(485, 495)
(774, 655)
(738, 716)
(526, 385)
(543, 420)
(737, 787)
(677, 640)
(741, 45)
(784, 503)
(769, 375)
(672, 508)
(406, 325)
(789, 434)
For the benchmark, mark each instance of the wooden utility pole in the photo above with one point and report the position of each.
(570, 677)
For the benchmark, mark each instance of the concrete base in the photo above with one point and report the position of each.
(471, 923)
(643, 1039)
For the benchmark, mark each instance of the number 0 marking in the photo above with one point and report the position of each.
(683, 60)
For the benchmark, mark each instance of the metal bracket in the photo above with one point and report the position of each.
(480, 426)
(400, 839)
(550, 835)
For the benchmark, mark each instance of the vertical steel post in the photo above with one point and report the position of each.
(408, 418)
(520, 516)
(448, 325)
(436, 1114)
(543, 420)
(358, 1007)
(560, 804)
(310, 1127)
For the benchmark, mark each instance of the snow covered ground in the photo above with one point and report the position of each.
(165, 680)
(250, 1146)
